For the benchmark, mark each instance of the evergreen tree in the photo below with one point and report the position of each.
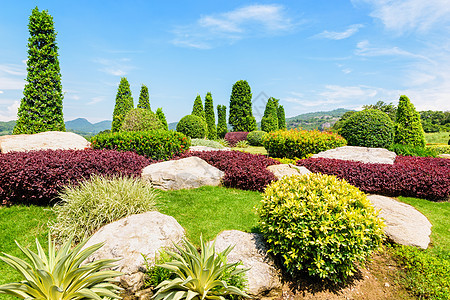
(221, 121)
(241, 117)
(269, 121)
(41, 108)
(408, 128)
(162, 118)
(281, 117)
(197, 110)
(210, 117)
(144, 101)
(124, 103)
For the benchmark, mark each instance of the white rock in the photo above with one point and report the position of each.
(287, 170)
(206, 148)
(361, 154)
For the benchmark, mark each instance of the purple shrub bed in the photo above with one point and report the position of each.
(244, 171)
(234, 137)
(36, 177)
(422, 177)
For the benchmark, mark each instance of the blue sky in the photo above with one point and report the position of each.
(312, 55)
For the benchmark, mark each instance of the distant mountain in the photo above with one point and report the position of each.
(316, 120)
(85, 127)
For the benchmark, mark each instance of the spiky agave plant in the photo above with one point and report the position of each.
(199, 275)
(60, 276)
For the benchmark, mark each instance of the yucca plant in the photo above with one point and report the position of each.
(199, 275)
(60, 275)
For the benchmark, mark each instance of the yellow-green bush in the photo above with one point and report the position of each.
(299, 143)
(319, 224)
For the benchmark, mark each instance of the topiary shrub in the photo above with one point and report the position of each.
(368, 128)
(193, 126)
(319, 224)
(408, 128)
(141, 119)
(234, 137)
(254, 138)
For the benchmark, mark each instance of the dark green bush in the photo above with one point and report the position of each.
(156, 144)
(408, 128)
(193, 126)
(368, 128)
(141, 119)
(407, 150)
(254, 138)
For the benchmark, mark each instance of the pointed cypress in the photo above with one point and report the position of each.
(162, 118)
(124, 103)
(221, 121)
(408, 128)
(269, 121)
(241, 116)
(210, 117)
(281, 117)
(144, 101)
(197, 109)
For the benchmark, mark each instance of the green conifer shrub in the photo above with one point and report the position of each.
(241, 117)
(141, 119)
(210, 117)
(144, 100)
(269, 121)
(281, 117)
(193, 126)
(41, 108)
(408, 128)
(197, 109)
(255, 138)
(338, 125)
(162, 118)
(124, 103)
(221, 121)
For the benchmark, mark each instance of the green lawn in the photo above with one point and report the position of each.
(437, 137)
(252, 150)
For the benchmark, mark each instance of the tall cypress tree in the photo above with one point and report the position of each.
(144, 101)
(162, 118)
(124, 103)
(41, 107)
(281, 117)
(221, 121)
(241, 117)
(408, 128)
(269, 121)
(210, 117)
(197, 109)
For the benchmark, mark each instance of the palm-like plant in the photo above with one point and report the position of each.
(60, 276)
(199, 275)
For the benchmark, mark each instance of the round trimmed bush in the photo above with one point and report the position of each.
(140, 119)
(319, 224)
(369, 128)
(193, 126)
(254, 138)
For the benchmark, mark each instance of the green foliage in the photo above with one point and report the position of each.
(319, 224)
(241, 117)
(408, 129)
(286, 160)
(340, 123)
(435, 121)
(269, 121)
(60, 275)
(255, 138)
(157, 144)
(439, 148)
(407, 150)
(86, 207)
(221, 121)
(162, 118)
(242, 144)
(206, 143)
(437, 137)
(197, 109)
(210, 117)
(315, 120)
(300, 143)
(144, 101)
(140, 119)
(156, 274)
(41, 108)
(390, 109)
(223, 142)
(281, 117)
(199, 275)
(124, 103)
(193, 126)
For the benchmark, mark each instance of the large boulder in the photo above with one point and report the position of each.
(251, 250)
(287, 170)
(50, 140)
(361, 154)
(404, 224)
(186, 173)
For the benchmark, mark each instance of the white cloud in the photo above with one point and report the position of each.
(116, 67)
(95, 100)
(10, 113)
(9, 83)
(363, 48)
(1, 92)
(335, 35)
(13, 69)
(12, 76)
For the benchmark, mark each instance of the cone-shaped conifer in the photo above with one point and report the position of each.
(124, 103)
(144, 100)
(210, 117)
(241, 117)
(221, 121)
(408, 128)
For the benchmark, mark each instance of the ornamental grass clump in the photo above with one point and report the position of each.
(320, 225)
(99, 201)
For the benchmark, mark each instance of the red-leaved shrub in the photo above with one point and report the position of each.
(36, 177)
(244, 171)
(422, 177)
(234, 137)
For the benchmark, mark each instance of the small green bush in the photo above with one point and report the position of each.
(439, 148)
(408, 150)
(141, 119)
(408, 128)
(99, 201)
(156, 274)
(193, 126)
(319, 224)
(242, 144)
(300, 143)
(368, 128)
(207, 143)
(254, 138)
(156, 144)
(223, 142)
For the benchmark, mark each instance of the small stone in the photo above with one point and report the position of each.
(386, 284)
(287, 170)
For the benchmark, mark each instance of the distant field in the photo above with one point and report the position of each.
(437, 137)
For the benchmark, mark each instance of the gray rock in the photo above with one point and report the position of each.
(361, 154)
(127, 238)
(404, 224)
(50, 140)
(287, 170)
(444, 156)
(186, 173)
(251, 250)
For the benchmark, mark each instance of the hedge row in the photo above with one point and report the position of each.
(422, 177)
(242, 170)
(234, 137)
(36, 177)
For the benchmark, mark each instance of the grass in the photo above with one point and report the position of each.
(252, 150)
(437, 137)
